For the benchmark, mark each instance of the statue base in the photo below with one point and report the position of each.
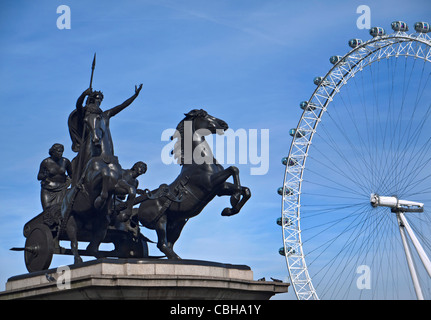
(144, 279)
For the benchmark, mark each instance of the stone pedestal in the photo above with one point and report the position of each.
(144, 279)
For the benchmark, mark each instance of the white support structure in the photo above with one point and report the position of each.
(399, 207)
(421, 252)
(410, 262)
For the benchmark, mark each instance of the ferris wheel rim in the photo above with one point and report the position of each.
(292, 240)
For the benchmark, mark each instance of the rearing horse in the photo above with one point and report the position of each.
(169, 207)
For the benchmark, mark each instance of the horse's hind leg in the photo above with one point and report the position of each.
(174, 229)
(162, 244)
(100, 226)
(72, 231)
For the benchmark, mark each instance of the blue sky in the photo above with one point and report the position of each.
(249, 63)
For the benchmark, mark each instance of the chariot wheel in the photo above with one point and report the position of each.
(39, 248)
(359, 167)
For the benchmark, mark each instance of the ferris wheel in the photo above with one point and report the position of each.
(356, 195)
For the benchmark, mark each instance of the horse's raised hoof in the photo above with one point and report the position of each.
(228, 212)
(234, 199)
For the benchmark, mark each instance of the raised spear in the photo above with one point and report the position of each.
(93, 65)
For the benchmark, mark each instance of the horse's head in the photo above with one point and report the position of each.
(93, 116)
(93, 123)
(205, 122)
(193, 128)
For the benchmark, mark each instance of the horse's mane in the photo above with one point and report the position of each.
(178, 150)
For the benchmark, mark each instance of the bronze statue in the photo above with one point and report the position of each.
(95, 208)
(54, 174)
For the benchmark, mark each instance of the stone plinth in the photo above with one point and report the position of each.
(146, 279)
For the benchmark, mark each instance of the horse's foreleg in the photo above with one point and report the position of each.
(100, 201)
(222, 176)
(239, 196)
(72, 230)
(246, 194)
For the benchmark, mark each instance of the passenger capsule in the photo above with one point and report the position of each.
(422, 27)
(336, 59)
(287, 221)
(377, 32)
(287, 192)
(353, 43)
(289, 161)
(399, 26)
(289, 250)
(296, 133)
(292, 162)
(279, 221)
(320, 81)
(307, 106)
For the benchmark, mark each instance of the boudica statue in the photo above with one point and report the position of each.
(93, 199)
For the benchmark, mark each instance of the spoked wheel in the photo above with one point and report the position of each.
(359, 168)
(39, 249)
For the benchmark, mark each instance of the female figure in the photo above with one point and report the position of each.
(54, 174)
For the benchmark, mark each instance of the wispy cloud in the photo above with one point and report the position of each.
(236, 22)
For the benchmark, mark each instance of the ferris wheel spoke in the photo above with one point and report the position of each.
(411, 147)
(313, 211)
(359, 168)
(358, 176)
(356, 231)
(329, 164)
(357, 252)
(333, 185)
(363, 149)
(357, 215)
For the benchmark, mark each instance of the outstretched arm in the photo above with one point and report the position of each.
(112, 112)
